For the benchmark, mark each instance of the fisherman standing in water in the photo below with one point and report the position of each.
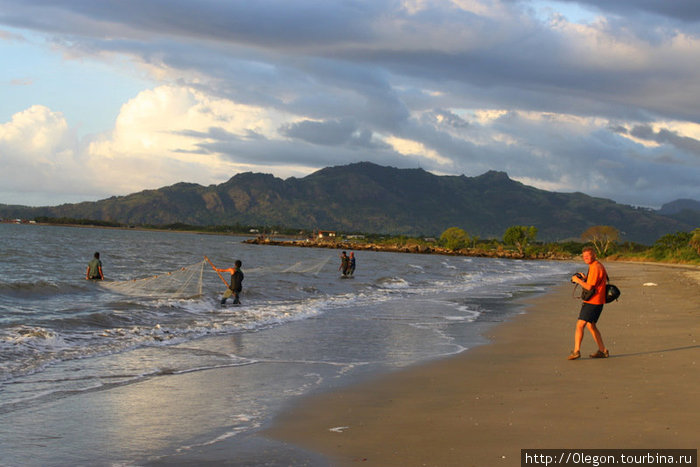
(344, 263)
(236, 282)
(94, 269)
(351, 264)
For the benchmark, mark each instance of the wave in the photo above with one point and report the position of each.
(392, 283)
(39, 289)
(33, 335)
(115, 324)
(26, 349)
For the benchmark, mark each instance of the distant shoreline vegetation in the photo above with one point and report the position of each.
(518, 242)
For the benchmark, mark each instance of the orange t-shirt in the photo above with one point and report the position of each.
(597, 277)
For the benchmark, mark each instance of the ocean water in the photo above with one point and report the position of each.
(91, 375)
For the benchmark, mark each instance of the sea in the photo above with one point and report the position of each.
(95, 375)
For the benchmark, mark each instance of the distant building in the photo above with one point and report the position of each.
(325, 234)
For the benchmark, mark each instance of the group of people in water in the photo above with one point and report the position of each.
(347, 264)
(94, 272)
(595, 280)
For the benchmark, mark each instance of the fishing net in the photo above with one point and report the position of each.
(185, 282)
(303, 267)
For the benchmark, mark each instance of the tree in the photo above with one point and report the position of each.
(520, 236)
(602, 236)
(672, 246)
(695, 240)
(475, 239)
(454, 238)
(673, 242)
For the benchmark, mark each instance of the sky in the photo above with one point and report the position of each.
(111, 97)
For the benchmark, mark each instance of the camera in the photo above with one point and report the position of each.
(580, 276)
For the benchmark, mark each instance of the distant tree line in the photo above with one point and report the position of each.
(177, 226)
(681, 247)
(72, 221)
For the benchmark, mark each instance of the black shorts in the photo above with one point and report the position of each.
(590, 312)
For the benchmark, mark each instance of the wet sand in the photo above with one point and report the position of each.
(520, 392)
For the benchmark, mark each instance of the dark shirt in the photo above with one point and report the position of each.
(237, 281)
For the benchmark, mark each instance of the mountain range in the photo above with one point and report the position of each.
(365, 197)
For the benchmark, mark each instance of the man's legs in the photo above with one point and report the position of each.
(596, 335)
(578, 337)
(578, 334)
(227, 294)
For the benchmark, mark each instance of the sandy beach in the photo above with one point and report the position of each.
(520, 392)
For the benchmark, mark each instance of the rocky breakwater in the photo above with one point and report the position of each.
(498, 252)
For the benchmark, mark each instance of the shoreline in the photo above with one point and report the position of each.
(296, 241)
(519, 391)
(299, 242)
(413, 249)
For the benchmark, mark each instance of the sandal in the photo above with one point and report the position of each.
(600, 354)
(574, 355)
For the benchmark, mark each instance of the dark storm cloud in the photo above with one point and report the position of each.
(308, 42)
(449, 118)
(263, 22)
(353, 72)
(330, 133)
(683, 10)
(665, 136)
(262, 150)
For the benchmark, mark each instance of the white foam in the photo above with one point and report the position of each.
(393, 283)
(339, 429)
(245, 422)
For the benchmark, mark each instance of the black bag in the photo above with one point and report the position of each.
(612, 293)
(587, 294)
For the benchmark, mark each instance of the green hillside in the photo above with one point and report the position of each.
(365, 197)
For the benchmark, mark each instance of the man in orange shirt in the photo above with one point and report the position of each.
(596, 279)
(236, 282)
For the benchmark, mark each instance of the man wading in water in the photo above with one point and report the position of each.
(236, 282)
(94, 269)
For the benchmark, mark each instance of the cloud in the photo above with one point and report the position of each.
(681, 10)
(31, 141)
(333, 133)
(40, 158)
(328, 133)
(34, 131)
(665, 136)
(606, 104)
(159, 134)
